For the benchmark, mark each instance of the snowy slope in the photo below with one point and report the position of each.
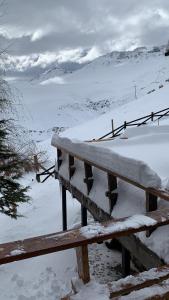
(111, 79)
(102, 85)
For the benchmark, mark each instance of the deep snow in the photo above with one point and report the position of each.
(82, 96)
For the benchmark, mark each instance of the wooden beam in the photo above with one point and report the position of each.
(147, 258)
(98, 213)
(154, 292)
(139, 281)
(78, 237)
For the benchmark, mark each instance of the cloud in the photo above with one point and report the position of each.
(63, 28)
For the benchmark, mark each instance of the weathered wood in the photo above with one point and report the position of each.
(125, 262)
(88, 177)
(71, 166)
(83, 263)
(139, 281)
(110, 193)
(64, 208)
(154, 292)
(151, 205)
(96, 211)
(146, 257)
(59, 158)
(77, 237)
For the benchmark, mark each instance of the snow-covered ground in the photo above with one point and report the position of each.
(107, 84)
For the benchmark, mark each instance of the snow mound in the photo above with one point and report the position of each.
(133, 169)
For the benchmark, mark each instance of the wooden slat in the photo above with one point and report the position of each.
(139, 281)
(73, 238)
(154, 292)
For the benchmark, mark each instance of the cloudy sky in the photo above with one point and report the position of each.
(64, 28)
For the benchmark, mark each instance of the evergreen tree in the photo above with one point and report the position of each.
(11, 162)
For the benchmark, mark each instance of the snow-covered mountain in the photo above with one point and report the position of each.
(99, 86)
(122, 89)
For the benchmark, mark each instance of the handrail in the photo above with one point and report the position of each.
(114, 133)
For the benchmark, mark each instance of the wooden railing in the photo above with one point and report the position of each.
(154, 116)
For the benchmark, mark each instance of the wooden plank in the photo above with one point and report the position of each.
(139, 281)
(154, 292)
(78, 237)
(83, 263)
(140, 252)
(98, 213)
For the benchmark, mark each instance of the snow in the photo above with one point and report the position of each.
(148, 292)
(44, 277)
(106, 158)
(135, 221)
(101, 86)
(138, 279)
(93, 291)
(17, 252)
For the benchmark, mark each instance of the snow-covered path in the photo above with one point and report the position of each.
(47, 276)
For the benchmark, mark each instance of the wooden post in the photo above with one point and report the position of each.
(59, 158)
(71, 166)
(112, 126)
(82, 252)
(151, 205)
(83, 215)
(83, 263)
(110, 193)
(88, 177)
(152, 116)
(125, 262)
(64, 208)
